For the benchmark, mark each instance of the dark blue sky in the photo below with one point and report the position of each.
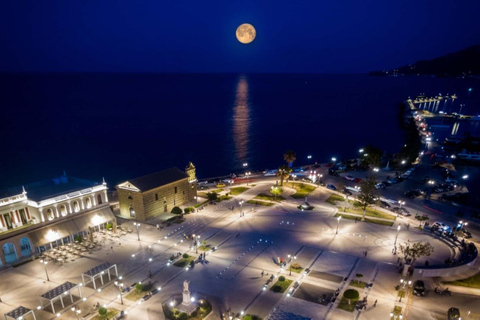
(341, 36)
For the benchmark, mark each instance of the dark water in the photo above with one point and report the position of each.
(124, 125)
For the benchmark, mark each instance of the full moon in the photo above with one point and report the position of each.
(246, 33)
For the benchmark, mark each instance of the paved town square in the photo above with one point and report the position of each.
(247, 250)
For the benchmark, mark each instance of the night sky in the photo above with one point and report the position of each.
(343, 36)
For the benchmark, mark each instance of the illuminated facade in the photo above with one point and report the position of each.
(155, 194)
(38, 216)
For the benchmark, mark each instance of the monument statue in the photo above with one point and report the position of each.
(186, 293)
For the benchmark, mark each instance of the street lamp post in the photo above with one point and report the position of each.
(400, 208)
(395, 243)
(241, 207)
(338, 223)
(120, 286)
(44, 262)
(138, 229)
(404, 283)
(197, 243)
(76, 310)
(247, 174)
(196, 199)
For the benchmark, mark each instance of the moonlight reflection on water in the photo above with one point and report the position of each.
(241, 121)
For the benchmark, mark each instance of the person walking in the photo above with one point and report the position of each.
(262, 273)
(158, 227)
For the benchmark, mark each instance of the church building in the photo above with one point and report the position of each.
(157, 193)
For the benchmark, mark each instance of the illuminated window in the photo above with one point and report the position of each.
(63, 210)
(132, 212)
(50, 215)
(76, 206)
(88, 203)
(129, 197)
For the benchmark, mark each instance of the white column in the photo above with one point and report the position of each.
(41, 214)
(106, 197)
(56, 210)
(94, 200)
(83, 205)
(70, 206)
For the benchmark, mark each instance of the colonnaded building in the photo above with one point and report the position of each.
(157, 193)
(39, 216)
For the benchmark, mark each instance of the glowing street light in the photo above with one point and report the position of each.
(361, 150)
(138, 229)
(395, 243)
(241, 207)
(247, 174)
(44, 262)
(334, 159)
(120, 289)
(309, 157)
(338, 223)
(76, 310)
(465, 177)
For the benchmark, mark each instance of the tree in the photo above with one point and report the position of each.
(276, 191)
(176, 210)
(289, 157)
(102, 311)
(212, 196)
(371, 156)
(413, 251)
(283, 172)
(368, 193)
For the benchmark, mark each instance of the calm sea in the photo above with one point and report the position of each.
(120, 126)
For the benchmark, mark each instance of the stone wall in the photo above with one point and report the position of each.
(162, 199)
(125, 203)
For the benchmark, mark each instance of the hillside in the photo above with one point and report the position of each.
(465, 62)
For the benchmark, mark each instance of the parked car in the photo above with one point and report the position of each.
(392, 181)
(411, 194)
(146, 297)
(349, 178)
(385, 205)
(401, 211)
(202, 187)
(346, 191)
(419, 288)
(202, 182)
(440, 225)
(220, 185)
(331, 187)
(357, 180)
(380, 185)
(155, 291)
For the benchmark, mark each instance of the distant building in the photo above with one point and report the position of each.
(157, 193)
(38, 216)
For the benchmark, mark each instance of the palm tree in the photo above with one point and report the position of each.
(289, 157)
(283, 172)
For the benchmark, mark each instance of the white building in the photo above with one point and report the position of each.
(42, 215)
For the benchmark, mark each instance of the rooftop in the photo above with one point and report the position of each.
(50, 188)
(158, 179)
